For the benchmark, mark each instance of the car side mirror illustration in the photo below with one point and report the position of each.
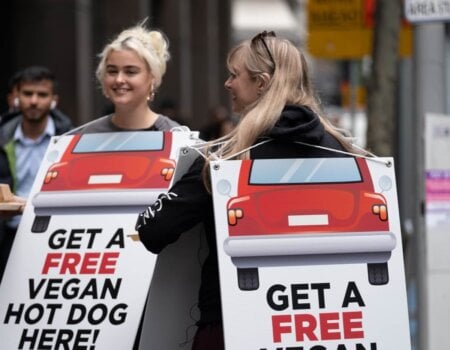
(52, 156)
(385, 183)
(224, 187)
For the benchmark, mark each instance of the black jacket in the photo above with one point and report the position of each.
(7, 130)
(192, 203)
(7, 174)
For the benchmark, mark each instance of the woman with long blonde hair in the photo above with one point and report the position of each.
(279, 118)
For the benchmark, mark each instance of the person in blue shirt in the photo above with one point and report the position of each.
(24, 140)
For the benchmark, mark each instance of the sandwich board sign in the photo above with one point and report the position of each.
(78, 276)
(310, 254)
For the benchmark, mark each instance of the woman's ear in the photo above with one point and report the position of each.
(263, 82)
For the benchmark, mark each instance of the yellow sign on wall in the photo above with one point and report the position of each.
(343, 29)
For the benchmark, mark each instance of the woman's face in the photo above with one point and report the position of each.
(127, 79)
(243, 88)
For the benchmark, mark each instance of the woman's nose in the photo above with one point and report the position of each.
(120, 77)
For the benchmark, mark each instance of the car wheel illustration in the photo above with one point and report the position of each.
(40, 224)
(248, 279)
(378, 273)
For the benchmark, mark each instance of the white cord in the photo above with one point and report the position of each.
(180, 128)
(247, 149)
(372, 156)
(214, 154)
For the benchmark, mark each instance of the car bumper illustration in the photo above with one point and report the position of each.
(309, 244)
(46, 201)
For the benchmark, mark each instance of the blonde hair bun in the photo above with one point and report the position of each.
(151, 45)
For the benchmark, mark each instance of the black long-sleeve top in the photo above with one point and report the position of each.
(189, 203)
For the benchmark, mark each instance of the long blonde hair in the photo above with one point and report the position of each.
(289, 83)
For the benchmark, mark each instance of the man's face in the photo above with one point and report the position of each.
(35, 99)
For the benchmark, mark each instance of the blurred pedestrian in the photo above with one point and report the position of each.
(11, 99)
(24, 140)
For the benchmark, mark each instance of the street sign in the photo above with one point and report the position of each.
(343, 29)
(427, 10)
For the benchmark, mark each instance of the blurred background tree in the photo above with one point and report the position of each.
(382, 86)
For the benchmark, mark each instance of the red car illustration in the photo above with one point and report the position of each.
(297, 211)
(122, 170)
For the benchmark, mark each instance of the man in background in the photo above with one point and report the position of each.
(24, 139)
(11, 99)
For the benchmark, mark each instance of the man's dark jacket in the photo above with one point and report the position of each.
(7, 168)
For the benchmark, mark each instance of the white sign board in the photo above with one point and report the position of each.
(310, 254)
(427, 10)
(77, 276)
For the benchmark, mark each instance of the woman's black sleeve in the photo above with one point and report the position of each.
(175, 212)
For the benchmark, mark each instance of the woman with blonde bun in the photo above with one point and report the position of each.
(130, 71)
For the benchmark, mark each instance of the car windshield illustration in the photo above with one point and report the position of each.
(289, 209)
(121, 169)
